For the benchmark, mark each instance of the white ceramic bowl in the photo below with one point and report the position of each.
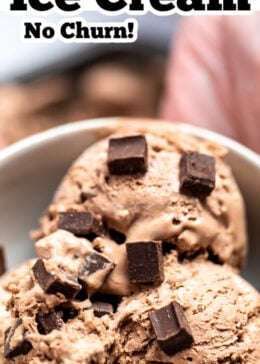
(31, 170)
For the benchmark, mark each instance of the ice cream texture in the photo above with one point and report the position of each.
(150, 206)
(89, 296)
(221, 308)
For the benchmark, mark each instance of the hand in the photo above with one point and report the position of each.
(213, 78)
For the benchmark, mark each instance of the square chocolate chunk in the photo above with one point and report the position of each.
(127, 155)
(48, 322)
(145, 262)
(197, 174)
(55, 282)
(79, 223)
(171, 328)
(102, 308)
(16, 342)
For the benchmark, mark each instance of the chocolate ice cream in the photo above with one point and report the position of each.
(151, 205)
(220, 308)
(138, 256)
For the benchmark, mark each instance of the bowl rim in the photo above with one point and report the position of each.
(92, 124)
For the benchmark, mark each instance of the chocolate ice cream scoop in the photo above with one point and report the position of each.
(163, 186)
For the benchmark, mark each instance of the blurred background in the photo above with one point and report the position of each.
(202, 70)
(44, 85)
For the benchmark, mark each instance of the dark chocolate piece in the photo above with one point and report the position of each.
(127, 155)
(48, 322)
(68, 313)
(145, 262)
(16, 342)
(2, 261)
(83, 293)
(102, 308)
(79, 223)
(197, 174)
(112, 299)
(171, 328)
(95, 263)
(54, 283)
(117, 236)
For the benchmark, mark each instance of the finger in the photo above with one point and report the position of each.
(193, 92)
(207, 74)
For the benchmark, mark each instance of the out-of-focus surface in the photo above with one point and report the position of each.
(212, 80)
(214, 76)
(47, 84)
(118, 83)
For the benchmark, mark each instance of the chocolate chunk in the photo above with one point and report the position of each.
(171, 328)
(127, 155)
(2, 261)
(16, 342)
(79, 223)
(197, 174)
(112, 299)
(55, 282)
(83, 293)
(48, 322)
(102, 308)
(117, 236)
(95, 263)
(67, 313)
(145, 262)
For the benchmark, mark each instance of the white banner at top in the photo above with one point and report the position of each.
(133, 7)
